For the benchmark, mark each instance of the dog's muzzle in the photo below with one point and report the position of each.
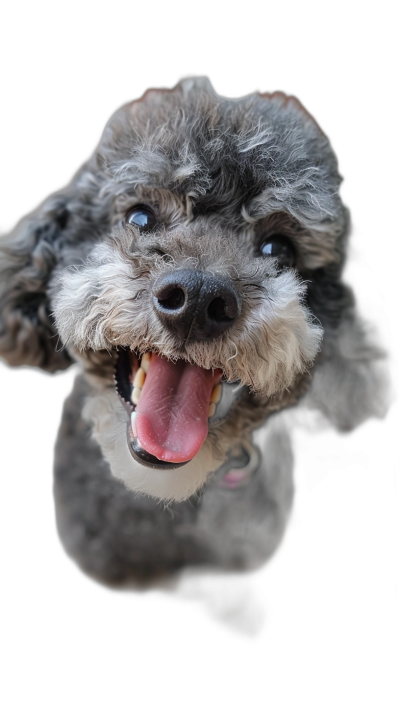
(194, 305)
(173, 402)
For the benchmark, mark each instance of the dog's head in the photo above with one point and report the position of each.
(196, 259)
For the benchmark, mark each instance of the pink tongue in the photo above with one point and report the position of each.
(172, 414)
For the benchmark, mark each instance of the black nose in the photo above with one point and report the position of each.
(195, 305)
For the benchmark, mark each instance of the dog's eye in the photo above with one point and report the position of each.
(280, 248)
(142, 217)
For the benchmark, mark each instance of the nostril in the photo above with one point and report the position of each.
(217, 310)
(223, 308)
(172, 298)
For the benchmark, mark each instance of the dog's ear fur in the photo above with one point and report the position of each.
(60, 232)
(28, 256)
(354, 385)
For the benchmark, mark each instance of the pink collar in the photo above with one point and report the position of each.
(241, 467)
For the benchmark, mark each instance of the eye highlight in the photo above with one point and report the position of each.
(142, 217)
(280, 248)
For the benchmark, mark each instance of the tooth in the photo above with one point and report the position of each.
(216, 394)
(140, 376)
(145, 363)
(211, 410)
(136, 392)
(133, 419)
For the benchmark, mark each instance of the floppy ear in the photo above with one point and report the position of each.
(350, 381)
(59, 233)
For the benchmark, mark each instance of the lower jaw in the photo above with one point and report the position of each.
(144, 458)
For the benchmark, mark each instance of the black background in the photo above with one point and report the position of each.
(330, 589)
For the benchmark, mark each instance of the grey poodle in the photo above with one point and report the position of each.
(192, 268)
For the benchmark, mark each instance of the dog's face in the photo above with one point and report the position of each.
(194, 259)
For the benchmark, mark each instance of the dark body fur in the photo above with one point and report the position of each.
(122, 539)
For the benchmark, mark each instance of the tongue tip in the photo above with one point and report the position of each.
(173, 459)
(166, 452)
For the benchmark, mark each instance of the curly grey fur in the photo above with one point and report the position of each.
(76, 281)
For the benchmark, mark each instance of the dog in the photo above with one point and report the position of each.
(193, 269)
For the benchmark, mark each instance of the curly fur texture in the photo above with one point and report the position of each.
(222, 176)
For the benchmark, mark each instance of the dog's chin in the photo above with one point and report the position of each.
(170, 398)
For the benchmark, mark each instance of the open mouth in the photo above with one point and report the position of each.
(171, 406)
